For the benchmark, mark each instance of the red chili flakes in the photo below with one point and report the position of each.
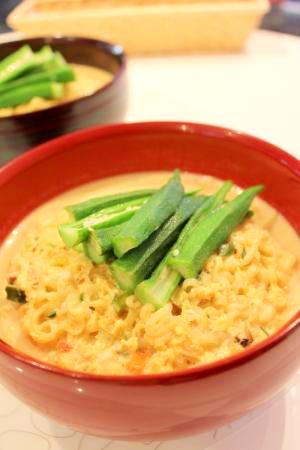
(137, 361)
(12, 279)
(176, 310)
(244, 342)
(63, 346)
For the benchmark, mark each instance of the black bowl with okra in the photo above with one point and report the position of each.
(54, 85)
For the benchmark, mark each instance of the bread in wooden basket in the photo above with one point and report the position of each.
(145, 26)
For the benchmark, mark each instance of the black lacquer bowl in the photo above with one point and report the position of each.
(107, 105)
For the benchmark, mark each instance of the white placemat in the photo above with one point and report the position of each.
(258, 92)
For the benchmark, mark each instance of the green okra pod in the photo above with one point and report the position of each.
(61, 75)
(16, 63)
(24, 94)
(159, 288)
(150, 217)
(100, 242)
(211, 232)
(137, 264)
(84, 209)
(76, 232)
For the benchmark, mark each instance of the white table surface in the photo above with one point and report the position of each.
(258, 92)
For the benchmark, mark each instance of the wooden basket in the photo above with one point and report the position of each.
(145, 26)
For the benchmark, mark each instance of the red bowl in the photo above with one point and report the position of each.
(169, 405)
(108, 104)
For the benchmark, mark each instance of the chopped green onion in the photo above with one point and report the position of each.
(264, 331)
(249, 214)
(14, 294)
(119, 302)
(51, 315)
(227, 249)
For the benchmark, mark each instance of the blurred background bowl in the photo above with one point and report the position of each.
(106, 105)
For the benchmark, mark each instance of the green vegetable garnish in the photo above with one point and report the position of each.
(159, 288)
(150, 217)
(137, 264)
(16, 63)
(100, 242)
(61, 75)
(206, 207)
(26, 74)
(15, 295)
(88, 207)
(119, 302)
(165, 235)
(227, 249)
(44, 56)
(211, 232)
(24, 94)
(94, 257)
(249, 214)
(76, 232)
(51, 315)
(265, 331)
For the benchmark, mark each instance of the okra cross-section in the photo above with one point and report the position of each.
(100, 242)
(159, 288)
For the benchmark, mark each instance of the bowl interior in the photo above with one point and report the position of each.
(99, 152)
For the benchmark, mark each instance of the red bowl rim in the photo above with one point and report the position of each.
(115, 50)
(257, 145)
